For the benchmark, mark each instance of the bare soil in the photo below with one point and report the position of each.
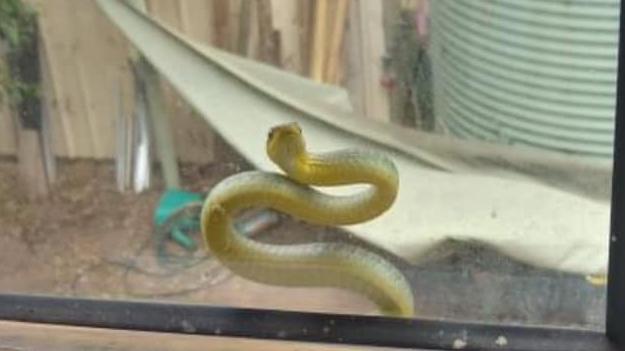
(87, 239)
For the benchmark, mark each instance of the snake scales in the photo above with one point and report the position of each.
(317, 264)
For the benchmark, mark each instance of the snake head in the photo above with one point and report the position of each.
(285, 145)
(278, 133)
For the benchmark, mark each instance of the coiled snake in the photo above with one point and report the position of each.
(317, 264)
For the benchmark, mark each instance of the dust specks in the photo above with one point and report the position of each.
(187, 327)
(459, 344)
(501, 341)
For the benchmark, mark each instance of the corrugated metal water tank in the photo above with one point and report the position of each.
(535, 72)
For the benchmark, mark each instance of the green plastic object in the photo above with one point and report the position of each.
(171, 202)
(183, 239)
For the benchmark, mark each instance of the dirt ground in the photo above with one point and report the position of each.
(86, 239)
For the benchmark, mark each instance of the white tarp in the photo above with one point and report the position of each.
(538, 224)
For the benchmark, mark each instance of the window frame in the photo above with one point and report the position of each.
(615, 301)
(294, 326)
(353, 329)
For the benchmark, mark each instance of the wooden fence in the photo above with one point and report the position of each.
(88, 78)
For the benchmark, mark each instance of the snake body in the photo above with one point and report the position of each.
(322, 264)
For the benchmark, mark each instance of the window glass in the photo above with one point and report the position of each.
(145, 147)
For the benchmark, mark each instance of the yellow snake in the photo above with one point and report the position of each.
(322, 264)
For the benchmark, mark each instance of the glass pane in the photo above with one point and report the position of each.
(496, 115)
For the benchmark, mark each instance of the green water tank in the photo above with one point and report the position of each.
(538, 73)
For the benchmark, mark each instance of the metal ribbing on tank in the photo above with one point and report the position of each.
(535, 72)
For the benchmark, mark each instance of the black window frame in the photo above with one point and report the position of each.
(353, 329)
